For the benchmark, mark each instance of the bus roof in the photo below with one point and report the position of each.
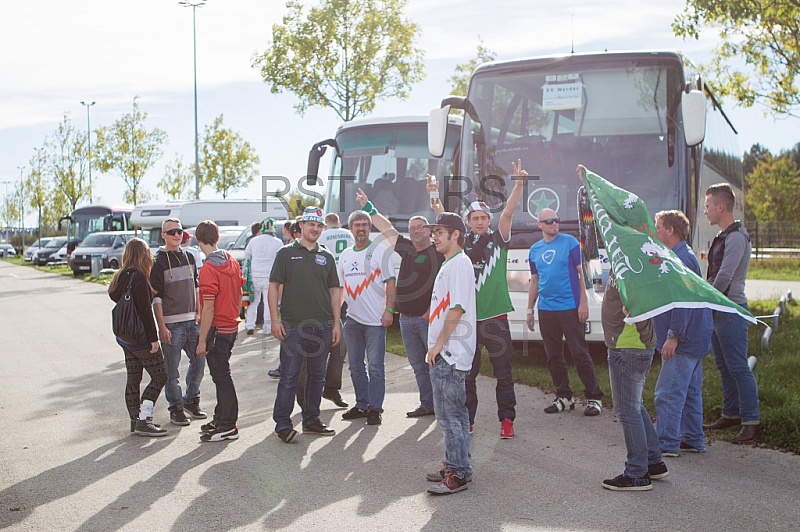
(627, 54)
(99, 208)
(393, 120)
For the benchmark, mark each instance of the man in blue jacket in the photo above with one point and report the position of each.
(683, 339)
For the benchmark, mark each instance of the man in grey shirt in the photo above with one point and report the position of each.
(728, 261)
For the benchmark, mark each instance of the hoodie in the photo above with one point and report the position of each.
(221, 281)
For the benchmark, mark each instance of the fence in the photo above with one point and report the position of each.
(775, 236)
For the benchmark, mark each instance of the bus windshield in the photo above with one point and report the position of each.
(389, 162)
(615, 116)
(97, 218)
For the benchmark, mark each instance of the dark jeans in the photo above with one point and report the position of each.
(136, 361)
(333, 375)
(226, 413)
(555, 326)
(495, 335)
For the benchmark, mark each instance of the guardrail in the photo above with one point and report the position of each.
(752, 361)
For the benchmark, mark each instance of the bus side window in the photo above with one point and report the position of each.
(117, 222)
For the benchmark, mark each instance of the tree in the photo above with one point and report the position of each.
(36, 186)
(298, 201)
(773, 190)
(344, 54)
(764, 34)
(228, 162)
(459, 82)
(178, 180)
(751, 159)
(129, 150)
(66, 163)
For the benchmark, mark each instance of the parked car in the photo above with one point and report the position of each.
(7, 250)
(42, 242)
(108, 245)
(40, 256)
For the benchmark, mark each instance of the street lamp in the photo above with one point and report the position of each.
(21, 222)
(5, 199)
(89, 138)
(194, 6)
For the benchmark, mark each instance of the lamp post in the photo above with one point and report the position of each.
(21, 222)
(194, 6)
(5, 198)
(89, 139)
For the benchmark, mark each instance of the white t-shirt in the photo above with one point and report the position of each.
(454, 287)
(261, 251)
(336, 240)
(363, 274)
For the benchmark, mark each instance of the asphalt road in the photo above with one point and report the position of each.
(68, 461)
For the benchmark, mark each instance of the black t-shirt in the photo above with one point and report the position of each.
(416, 277)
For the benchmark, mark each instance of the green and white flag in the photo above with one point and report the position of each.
(651, 278)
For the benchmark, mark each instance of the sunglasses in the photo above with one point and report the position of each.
(551, 221)
(173, 232)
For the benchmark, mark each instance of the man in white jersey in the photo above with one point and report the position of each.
(451, 349)
(367, 274)
(260, 253)
(336, 240)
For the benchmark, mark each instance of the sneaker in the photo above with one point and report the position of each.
(318, 427)
(471, 429)
(689, 449)
(657, 471)
(560, 404)
(250, 332)
(336, 398)
(211, 426)
(146, 428)
(374, 417)
(593, 407)
(220, 435)
(420, 412)
(439, 475)
(625, 483)
(354, 413)
(506, 429)
(449, 484)
(177, 417)
(149, 420)
(193, 407)
(275, 373)
(670, 454)
(287, 435)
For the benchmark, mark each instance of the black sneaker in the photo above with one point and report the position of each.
(193, 407)
(146, 428)
(657, 471)
(288, 435)
(275, 373)
(318, 427)
(625, 483)
(374, 417)
(211, 426)
(354, 413)
(336, 398)
(149, 420)
(420, 412)
(220, 435)
(177, 417)
(560, 404)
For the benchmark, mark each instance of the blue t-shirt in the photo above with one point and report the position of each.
(556, 262)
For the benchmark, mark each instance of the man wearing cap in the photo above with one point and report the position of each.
(368, 279)
(309, 323)
(451, 349)
(174, 279)
(260, 255)
(488, 251)
(419, 264)
(557, 283)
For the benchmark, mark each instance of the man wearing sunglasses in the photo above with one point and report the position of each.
(174, 278)
(557, 283)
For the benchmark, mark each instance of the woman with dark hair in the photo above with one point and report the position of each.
(137, 262)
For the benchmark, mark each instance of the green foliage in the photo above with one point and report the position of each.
(129, 150)
(772, 184)
(761, 33)
(343, 54)
(775, 269)
(228, 161)
(178, 180)
(459, 82)
(298, 202)
(66, 164)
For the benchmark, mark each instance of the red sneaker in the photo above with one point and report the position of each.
(506, 429)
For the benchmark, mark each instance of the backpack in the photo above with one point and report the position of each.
(126, 324)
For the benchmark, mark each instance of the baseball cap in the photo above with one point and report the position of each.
(186, 236)
(478, 206)
(312, 214)
(451, 220)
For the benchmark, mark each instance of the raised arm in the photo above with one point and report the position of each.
(520, 177)
(380, 221)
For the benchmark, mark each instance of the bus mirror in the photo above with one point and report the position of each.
(314, 156)
(437, 130)
(693, 104)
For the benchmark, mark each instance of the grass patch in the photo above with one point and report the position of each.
(775, 269)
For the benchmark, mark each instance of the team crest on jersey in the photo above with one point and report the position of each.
(548, 256)
(321, 260)
(420, 259)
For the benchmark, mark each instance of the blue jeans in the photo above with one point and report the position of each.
(739, 389)
(627, 369)
(366, 342)
(449, 395)
(184, 338)
(311, 343)
(679, 403)
(226, 413)
(414, 330)
(495, 335)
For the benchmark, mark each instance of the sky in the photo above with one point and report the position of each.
(56, 54)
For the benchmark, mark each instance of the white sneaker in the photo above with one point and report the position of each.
(593, 407)
(560, 404)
